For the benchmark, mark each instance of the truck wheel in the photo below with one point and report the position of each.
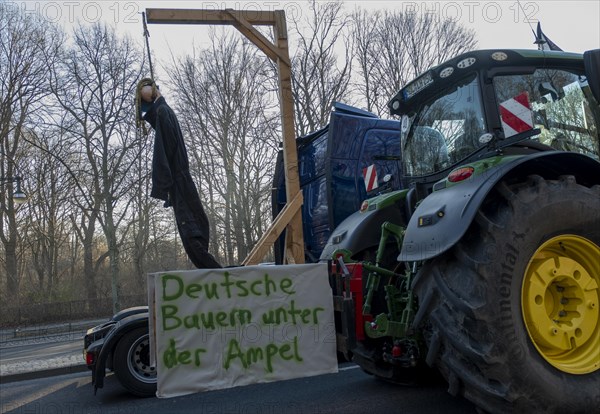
(512, 312)
(131, 363)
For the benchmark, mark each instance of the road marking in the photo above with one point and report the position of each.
(348, 368)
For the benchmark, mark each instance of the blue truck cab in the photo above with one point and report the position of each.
(331, 163)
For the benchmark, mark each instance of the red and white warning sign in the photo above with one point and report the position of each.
(516, 115)
(370, 176)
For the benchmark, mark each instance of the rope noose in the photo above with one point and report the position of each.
(140, 124)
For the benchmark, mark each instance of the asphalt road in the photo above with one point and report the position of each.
(349, 391)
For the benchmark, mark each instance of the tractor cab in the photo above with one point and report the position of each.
(494, 102)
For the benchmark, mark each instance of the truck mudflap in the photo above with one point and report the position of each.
(346, 282)
(124, 325)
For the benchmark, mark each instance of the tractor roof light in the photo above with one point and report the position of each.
(460, 174)
(465, 63)
(499, 56)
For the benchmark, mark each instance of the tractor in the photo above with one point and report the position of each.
(485, 263)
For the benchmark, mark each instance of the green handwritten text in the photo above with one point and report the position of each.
(291, 314)
(206, 320)
(173, 357)
(266, 354)
(174, 287)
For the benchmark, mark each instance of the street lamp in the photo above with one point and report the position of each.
(19, 197)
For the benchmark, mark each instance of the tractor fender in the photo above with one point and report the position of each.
(122, 327)
(444, 216)
(362, 229)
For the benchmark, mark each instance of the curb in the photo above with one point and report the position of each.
(24, 376)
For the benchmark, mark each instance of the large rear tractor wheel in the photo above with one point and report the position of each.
(511, 314)
(131, 363)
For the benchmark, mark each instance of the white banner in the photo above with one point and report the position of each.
(222, 328)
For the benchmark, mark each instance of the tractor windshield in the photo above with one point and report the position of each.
(557, 102)
(443, 130)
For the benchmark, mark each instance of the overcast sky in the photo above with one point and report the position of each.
(573, 25)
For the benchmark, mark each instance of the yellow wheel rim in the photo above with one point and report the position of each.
(560, 303)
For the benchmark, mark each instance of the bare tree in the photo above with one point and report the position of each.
(393, 47)
(318, 76)
(227, 111)
(366, 34)
(26, 45)
(95, 84)
(47, 230)
(142, 210)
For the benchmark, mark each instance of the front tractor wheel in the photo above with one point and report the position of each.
(511, 314)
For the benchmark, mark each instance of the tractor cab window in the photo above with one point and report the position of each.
(444, 130)
(557, 102)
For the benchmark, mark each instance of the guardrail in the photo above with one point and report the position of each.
(52, 333)
(60, 313)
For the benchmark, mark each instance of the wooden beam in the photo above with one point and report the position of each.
(272, 234)
(256, 37)
(294, 241)
(206, 16)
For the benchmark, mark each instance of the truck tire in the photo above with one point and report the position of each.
(131, 363)
(511, 314)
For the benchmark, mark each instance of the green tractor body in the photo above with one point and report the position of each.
(487, 265)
